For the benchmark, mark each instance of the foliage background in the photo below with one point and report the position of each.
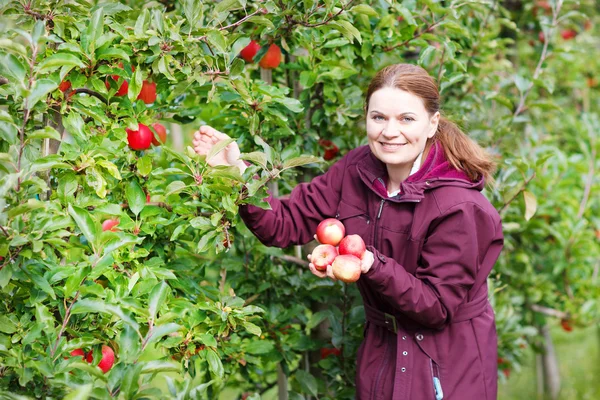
(192, 304)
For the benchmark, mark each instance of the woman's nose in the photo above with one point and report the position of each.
(391, 129)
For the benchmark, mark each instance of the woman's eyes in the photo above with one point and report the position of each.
(381, 118)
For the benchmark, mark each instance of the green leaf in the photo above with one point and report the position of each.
(157, 298)
(216, 38)
(256, 157)
(30, 205)
(48, 162)
(144, 165)
(12, 66)
(110, 168)
(317, 318)
(46, 133)
(259, 347)
(136, 199)
(307, 382)
(40, 89)
(141, 23)
(159, 331)
(204, 242)
(364, 9)
(299, 161)
(85, 306)
(111, 53)
(59, 60)
(6, 325)
(225, 5)
(135, 85)
(293, 105)
(522, 83)
(347, 29)
(208, 339)
(530, 204)
(193, 12)
(81, 392)
(95, 29)
(84, 221)
(43, 284)
(217, 148)
(251, 328)
(214, 363)
(151, 367)
(175, 187)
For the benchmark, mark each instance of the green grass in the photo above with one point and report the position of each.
(578, 354)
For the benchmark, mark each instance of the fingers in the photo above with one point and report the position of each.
(330, 273)
(316, 272)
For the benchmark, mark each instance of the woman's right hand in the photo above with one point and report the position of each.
(206, 137)
(321, 274)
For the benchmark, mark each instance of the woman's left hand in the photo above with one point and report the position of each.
(366, 261)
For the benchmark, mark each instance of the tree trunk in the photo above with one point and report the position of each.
(550, 366)
(282, 384)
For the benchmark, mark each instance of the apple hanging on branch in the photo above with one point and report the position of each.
(140, 139)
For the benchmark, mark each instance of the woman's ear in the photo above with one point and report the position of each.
(434, 122)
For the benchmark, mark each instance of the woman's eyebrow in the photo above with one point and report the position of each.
(402, 113)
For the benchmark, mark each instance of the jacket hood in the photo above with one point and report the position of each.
(436, 171)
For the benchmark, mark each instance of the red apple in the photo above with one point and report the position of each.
(542, 37)
(124, 88)
(140, 139)
(353, 245)
(330, 154)
(107, 361)
(346, 268)
(250, 51)
(148, 92)
(110, 225)
(161, 132)
(272, 57)
(568, 34)
(322, 256)
(64, 86)
(506, 372)
(76, 353)
(566, 325)
(147, 198)
(330, 231)
(326, 352)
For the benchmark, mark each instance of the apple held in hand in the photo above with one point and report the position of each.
(353, 245)
(140, 139)
(330, 231)
(322, 256)
(346, 268)
(107, 361)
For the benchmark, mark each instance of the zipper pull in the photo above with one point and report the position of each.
(439, 394)
(380, 209)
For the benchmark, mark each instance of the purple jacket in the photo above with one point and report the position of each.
(430, 328)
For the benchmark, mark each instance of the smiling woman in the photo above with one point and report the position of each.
(414, 196)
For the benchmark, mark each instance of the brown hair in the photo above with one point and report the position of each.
(461, 151)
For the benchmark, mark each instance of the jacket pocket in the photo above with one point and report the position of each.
(436, 380)
(355, 220)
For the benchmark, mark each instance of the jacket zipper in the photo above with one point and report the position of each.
(383, 368)
(385, 358)
(437, 384)
(375, 236)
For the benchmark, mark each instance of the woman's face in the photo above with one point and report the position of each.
(398, 126)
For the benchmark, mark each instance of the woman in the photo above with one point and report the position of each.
(414, 195)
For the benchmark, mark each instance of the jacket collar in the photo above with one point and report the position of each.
(436, 171)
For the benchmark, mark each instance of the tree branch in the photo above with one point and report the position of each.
(91, 93)
(236, 24)
(505, 206)
(428, 29)
(292, 259)
(324, 22)
(549, 311)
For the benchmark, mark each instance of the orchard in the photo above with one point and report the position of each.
(125, 269)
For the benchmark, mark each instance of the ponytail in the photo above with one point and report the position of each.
(463, 153)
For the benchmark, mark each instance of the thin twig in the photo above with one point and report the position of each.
(324, 22)
(236, 24)
(292, 259)
(588, 185)
(427, 30)
(91, 93)
(549, 311)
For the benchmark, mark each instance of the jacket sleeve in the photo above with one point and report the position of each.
(294, 220)
(460, 244)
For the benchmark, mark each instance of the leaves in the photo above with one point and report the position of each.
(84, 222)
(136, 198)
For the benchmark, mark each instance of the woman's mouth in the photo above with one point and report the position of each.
(391, 146)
